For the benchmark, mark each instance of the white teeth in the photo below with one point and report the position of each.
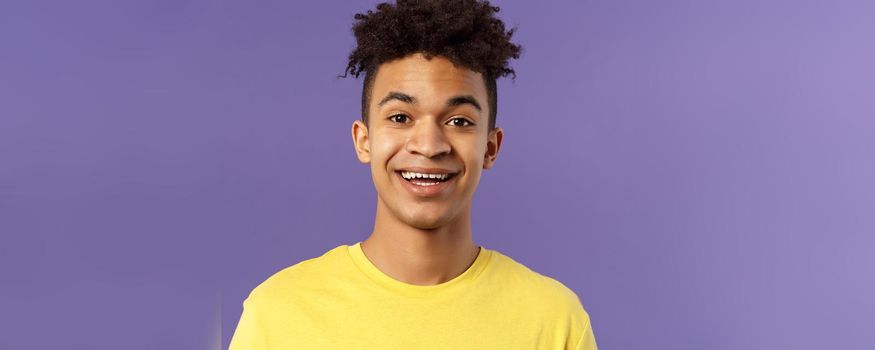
(412, 175)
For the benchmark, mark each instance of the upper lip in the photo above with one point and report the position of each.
(428, 170)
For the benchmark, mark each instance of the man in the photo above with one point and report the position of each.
(419, 281)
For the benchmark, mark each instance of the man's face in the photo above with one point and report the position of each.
(427, 140)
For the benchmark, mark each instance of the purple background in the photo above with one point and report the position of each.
(699, 172)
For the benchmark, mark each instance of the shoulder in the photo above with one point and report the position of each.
(306, 275)
(548, 299)
(548, 291)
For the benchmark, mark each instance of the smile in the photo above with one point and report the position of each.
(426, 184)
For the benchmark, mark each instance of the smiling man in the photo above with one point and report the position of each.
(419, 281)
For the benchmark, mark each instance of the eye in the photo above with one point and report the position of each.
(398, 118)
(461, 122)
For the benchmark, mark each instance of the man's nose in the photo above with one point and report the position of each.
(428, 139)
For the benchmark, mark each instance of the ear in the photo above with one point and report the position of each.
(361, 141)
(493, 144)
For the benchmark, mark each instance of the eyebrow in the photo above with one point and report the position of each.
(452, 102)
(466, 99)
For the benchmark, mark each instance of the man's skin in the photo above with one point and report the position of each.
(425, 239)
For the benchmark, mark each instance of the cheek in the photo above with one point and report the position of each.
(383, 148)
(473, 153)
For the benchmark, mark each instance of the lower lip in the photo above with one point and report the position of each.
(427, 191)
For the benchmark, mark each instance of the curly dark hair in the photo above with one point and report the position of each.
(464, 31)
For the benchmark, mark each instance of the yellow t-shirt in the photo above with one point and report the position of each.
(341, 300)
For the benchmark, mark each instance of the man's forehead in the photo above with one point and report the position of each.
(438, 76)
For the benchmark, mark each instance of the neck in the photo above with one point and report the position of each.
(420, 256)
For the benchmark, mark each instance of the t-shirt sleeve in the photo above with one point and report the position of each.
(250, 333)
(587, 341)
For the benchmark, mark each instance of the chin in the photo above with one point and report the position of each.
(425, 221)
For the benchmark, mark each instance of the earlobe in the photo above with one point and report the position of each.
(361, 141)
